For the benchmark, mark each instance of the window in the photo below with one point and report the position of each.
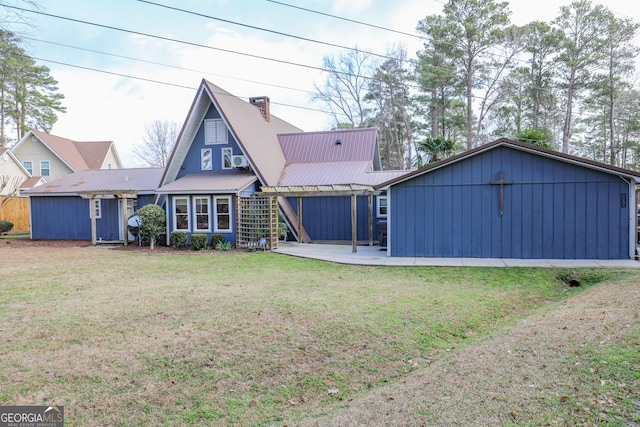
(181, 213)
(45, 170)
(222, 206)
(201, 206)
(382, 206)
(215, 132)
(227, 158)
(97, 206)
(205, 159)
(28, 166)
(108, 165)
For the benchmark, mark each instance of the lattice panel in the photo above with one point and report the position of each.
(257, 225)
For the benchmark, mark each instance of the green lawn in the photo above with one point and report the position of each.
(125, 338)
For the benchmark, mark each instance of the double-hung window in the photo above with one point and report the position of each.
(215, 132)
(382, 206)
(28, 165)
(96, 205)
(222, 213)
(181, 213)
(45, 168)
(202, 207)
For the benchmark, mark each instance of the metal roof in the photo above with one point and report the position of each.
(351, 172)
(141, 181)
(330, 146)
(257, 138)
(567, 158)
(209, 183)
(317, 190)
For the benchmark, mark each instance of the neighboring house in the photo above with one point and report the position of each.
(12, 174)
(229, 150)
(52, 157)
(62, 209)
(513, 200)
(14, 178)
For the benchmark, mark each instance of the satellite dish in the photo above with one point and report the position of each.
(135, 221)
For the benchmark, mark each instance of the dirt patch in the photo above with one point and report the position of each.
(21, 242)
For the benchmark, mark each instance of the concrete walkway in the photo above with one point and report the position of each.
(372, 255)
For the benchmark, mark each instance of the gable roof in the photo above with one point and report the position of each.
(504, 142)
(257, 138)
(141, 181)
(330, 146)
(76, 155)
(7, 152)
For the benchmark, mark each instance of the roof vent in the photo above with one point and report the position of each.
(338, 141)
(262, 102)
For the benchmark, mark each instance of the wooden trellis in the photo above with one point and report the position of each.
(257, 225)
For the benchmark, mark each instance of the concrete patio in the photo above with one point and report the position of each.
(373, 255)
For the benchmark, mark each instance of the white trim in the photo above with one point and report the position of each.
(174, 213)
(633, 207)
(222, 158)
(195, 214)
(380, 197)
(203, 159)
(48, 168)
(97, 205)
(389, 222)
(215, 132)
(25, 166)
(215, 214)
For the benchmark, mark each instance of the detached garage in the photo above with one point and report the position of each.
(508, 199)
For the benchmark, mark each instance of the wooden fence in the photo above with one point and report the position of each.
(16, 210)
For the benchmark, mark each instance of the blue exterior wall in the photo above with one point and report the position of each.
(553, 210)
(228, 236)
(192, 162)
(329, 218)
(68, 218)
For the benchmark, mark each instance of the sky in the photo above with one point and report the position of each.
(122, 64)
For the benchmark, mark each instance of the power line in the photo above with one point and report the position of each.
(379, 27)
(177, 9)
(167, 65)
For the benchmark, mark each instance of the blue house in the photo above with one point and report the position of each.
(512, 200)
(91, 204)
(230, 152)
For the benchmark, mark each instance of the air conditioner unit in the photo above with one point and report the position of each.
(240, 161)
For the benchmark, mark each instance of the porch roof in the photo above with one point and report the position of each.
(231, 182)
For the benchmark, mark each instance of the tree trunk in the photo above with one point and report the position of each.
(566, 130)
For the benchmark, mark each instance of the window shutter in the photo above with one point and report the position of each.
(215, 132)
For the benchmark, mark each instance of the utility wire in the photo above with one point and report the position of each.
(167, 65)
(177, 9)
(379, 27)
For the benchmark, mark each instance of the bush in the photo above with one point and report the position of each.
(215, 239)
(178, 239)
(198, 241)
(153, 224)
(223, 246)
(5, 226)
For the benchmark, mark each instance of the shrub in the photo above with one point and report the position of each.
(5, 226)
(198, 241)
(215, 239)
(223, 246)
(178, 239)
(153, 223)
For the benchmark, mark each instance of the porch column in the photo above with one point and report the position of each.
(354, 223)
(92, 203)
(370, 200)
(125, 221)
(299, 219)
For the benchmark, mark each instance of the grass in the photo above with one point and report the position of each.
(123, 338)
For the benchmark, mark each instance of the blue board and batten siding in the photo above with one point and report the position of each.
(552, 210)
(68, 218)
(329, 218)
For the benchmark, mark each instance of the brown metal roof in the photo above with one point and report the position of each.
(101, 180)
(330, 146)
(209, 183)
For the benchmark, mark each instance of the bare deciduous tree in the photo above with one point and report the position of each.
(157, 142)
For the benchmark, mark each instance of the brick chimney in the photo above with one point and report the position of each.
(262, 102)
